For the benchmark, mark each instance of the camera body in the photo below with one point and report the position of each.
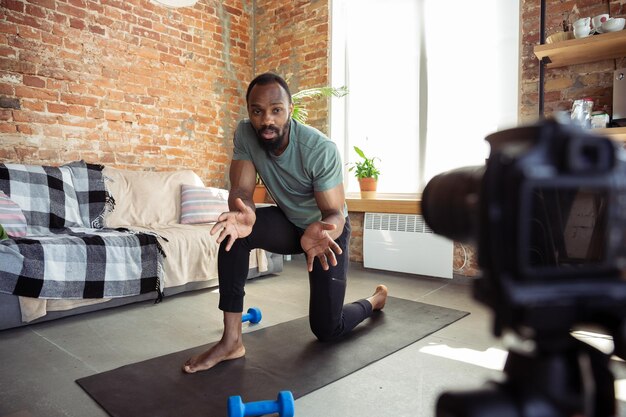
(547, 213)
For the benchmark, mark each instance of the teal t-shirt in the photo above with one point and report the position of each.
(311, 162)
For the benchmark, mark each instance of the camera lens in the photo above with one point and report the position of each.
(450, 203)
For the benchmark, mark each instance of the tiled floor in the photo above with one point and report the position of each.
(39, 363)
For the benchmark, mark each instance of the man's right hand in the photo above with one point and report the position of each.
(234, 224)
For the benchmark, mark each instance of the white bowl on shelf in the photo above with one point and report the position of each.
(582, 32)
(613, 24)
(559, 37)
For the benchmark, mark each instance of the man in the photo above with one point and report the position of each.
(302, 170)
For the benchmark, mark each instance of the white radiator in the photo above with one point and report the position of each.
(404, 243)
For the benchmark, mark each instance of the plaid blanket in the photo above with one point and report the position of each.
(45, 194)
(93, 199)
(66, 253)
(81, 263)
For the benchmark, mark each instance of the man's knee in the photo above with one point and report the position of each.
(325, 333)
(238, 244)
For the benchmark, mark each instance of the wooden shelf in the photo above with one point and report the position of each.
(579, 51)
(384, 205)
(615, 133)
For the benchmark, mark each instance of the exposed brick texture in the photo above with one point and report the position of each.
(293, 39)
(124, 83)
(356, 240)
(139, 86)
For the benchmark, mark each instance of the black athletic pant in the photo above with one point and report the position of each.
(328, 317)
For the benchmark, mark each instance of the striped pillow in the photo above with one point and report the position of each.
(11, 217)
(201, 204)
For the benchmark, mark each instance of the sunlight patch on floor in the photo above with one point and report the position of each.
(602, 342)
(492, 358)
(620, 389)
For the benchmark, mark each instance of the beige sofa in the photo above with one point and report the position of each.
(149, 202)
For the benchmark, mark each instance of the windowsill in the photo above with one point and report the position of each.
(385, 203)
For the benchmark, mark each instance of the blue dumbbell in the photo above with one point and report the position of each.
(253, 316)
(283, 406)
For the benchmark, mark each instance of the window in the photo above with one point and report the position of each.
(428, 80)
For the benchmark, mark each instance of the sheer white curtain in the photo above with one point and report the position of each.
(376, 54)
(425, 87)
(472, 79)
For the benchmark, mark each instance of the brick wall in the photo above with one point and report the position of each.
(293, 39)
(124, 82)
(564, 85)
(356, 239)
(139, 86)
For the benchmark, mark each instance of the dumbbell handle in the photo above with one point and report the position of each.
(261, 408)
(253, 315)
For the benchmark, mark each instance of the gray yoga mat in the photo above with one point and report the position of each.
(282, 357)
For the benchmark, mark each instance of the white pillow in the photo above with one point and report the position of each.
(11, 217)
(201, 204)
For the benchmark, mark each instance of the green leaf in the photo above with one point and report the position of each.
(319, 92)
(300, 113)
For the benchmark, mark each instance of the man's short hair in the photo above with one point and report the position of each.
(268, 78)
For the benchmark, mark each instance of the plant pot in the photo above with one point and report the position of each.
(259, 193)
(368, 187)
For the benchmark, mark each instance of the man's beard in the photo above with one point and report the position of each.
(271, 145)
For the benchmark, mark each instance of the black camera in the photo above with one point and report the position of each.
(547, 213)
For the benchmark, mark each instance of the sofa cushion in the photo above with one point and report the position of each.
(12, 219)
(45, 194)
(202, 204)
(145, 198)
(192, 253)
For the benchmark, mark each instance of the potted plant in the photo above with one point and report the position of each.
(366, 172)
(259, 191)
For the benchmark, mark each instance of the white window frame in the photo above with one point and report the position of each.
(444, 140)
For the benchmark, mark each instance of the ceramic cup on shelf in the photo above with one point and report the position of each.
(597, 21)
(581, 32)
(613, 24)
(583, 22)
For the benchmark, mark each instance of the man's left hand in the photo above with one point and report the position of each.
(317, 243)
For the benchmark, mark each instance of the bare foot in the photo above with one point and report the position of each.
(222, 351)
(379, 298)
